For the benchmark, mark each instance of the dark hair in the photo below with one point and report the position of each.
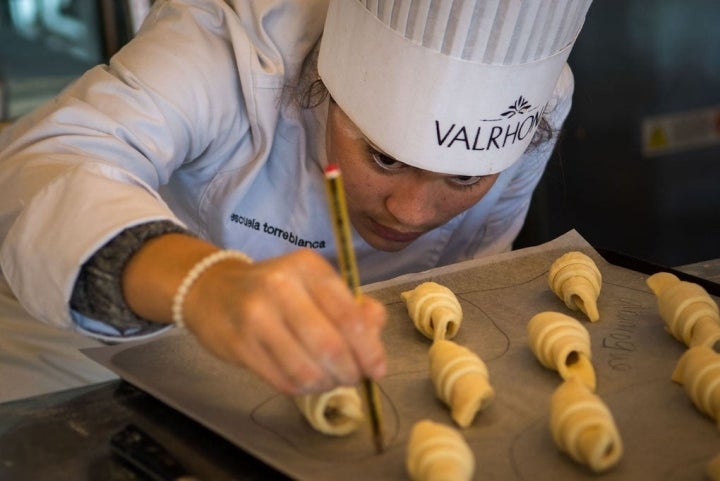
(307, 91)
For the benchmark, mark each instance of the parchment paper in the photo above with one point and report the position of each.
(665, 437)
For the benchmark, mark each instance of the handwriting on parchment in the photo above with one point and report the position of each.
(620, 341)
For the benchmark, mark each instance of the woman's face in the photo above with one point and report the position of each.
(391, 204)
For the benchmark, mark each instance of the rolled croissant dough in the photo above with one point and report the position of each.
(582, 426)
(561, 343)
(575, 278)
(434, 310)
(689, 313)
(461, 380)
(437, 452)
(337, 412)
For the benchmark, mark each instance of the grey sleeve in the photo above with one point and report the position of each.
(98, 291)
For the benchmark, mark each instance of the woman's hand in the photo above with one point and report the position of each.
(291, 319)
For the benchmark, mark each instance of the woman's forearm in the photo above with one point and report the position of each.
(152, 276)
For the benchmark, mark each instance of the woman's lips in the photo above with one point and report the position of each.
(393, 235)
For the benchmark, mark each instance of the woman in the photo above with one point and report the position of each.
(116, 197)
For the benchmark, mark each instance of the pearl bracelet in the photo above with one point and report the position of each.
(194, 273)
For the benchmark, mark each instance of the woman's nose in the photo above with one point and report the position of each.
(414, 204)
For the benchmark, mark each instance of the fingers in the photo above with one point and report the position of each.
(368, 345)
(312, 329)
(291, 320)
(342, 333)
(359, 322)
(265, 346)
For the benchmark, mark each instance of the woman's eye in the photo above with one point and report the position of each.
(385, 162)
(466, 180)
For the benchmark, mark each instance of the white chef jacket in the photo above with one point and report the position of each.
(186, 124)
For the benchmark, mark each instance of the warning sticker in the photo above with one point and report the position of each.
(678, 131)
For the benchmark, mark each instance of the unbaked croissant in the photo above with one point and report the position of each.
(698, 370)
(434, 310)
(575, 278)
(561, 343)
(436, 452)
(337, 412)
(583, 427)
(461, 381)
(689, 313)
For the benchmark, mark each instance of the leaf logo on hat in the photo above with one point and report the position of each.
(519, 107)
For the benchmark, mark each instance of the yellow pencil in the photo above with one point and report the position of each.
(348, 269)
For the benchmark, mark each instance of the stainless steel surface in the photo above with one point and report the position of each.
(65, 436)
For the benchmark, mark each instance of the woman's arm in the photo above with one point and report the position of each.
(290, 319)
(88, 165)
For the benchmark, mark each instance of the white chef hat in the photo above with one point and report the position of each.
(456, 87)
